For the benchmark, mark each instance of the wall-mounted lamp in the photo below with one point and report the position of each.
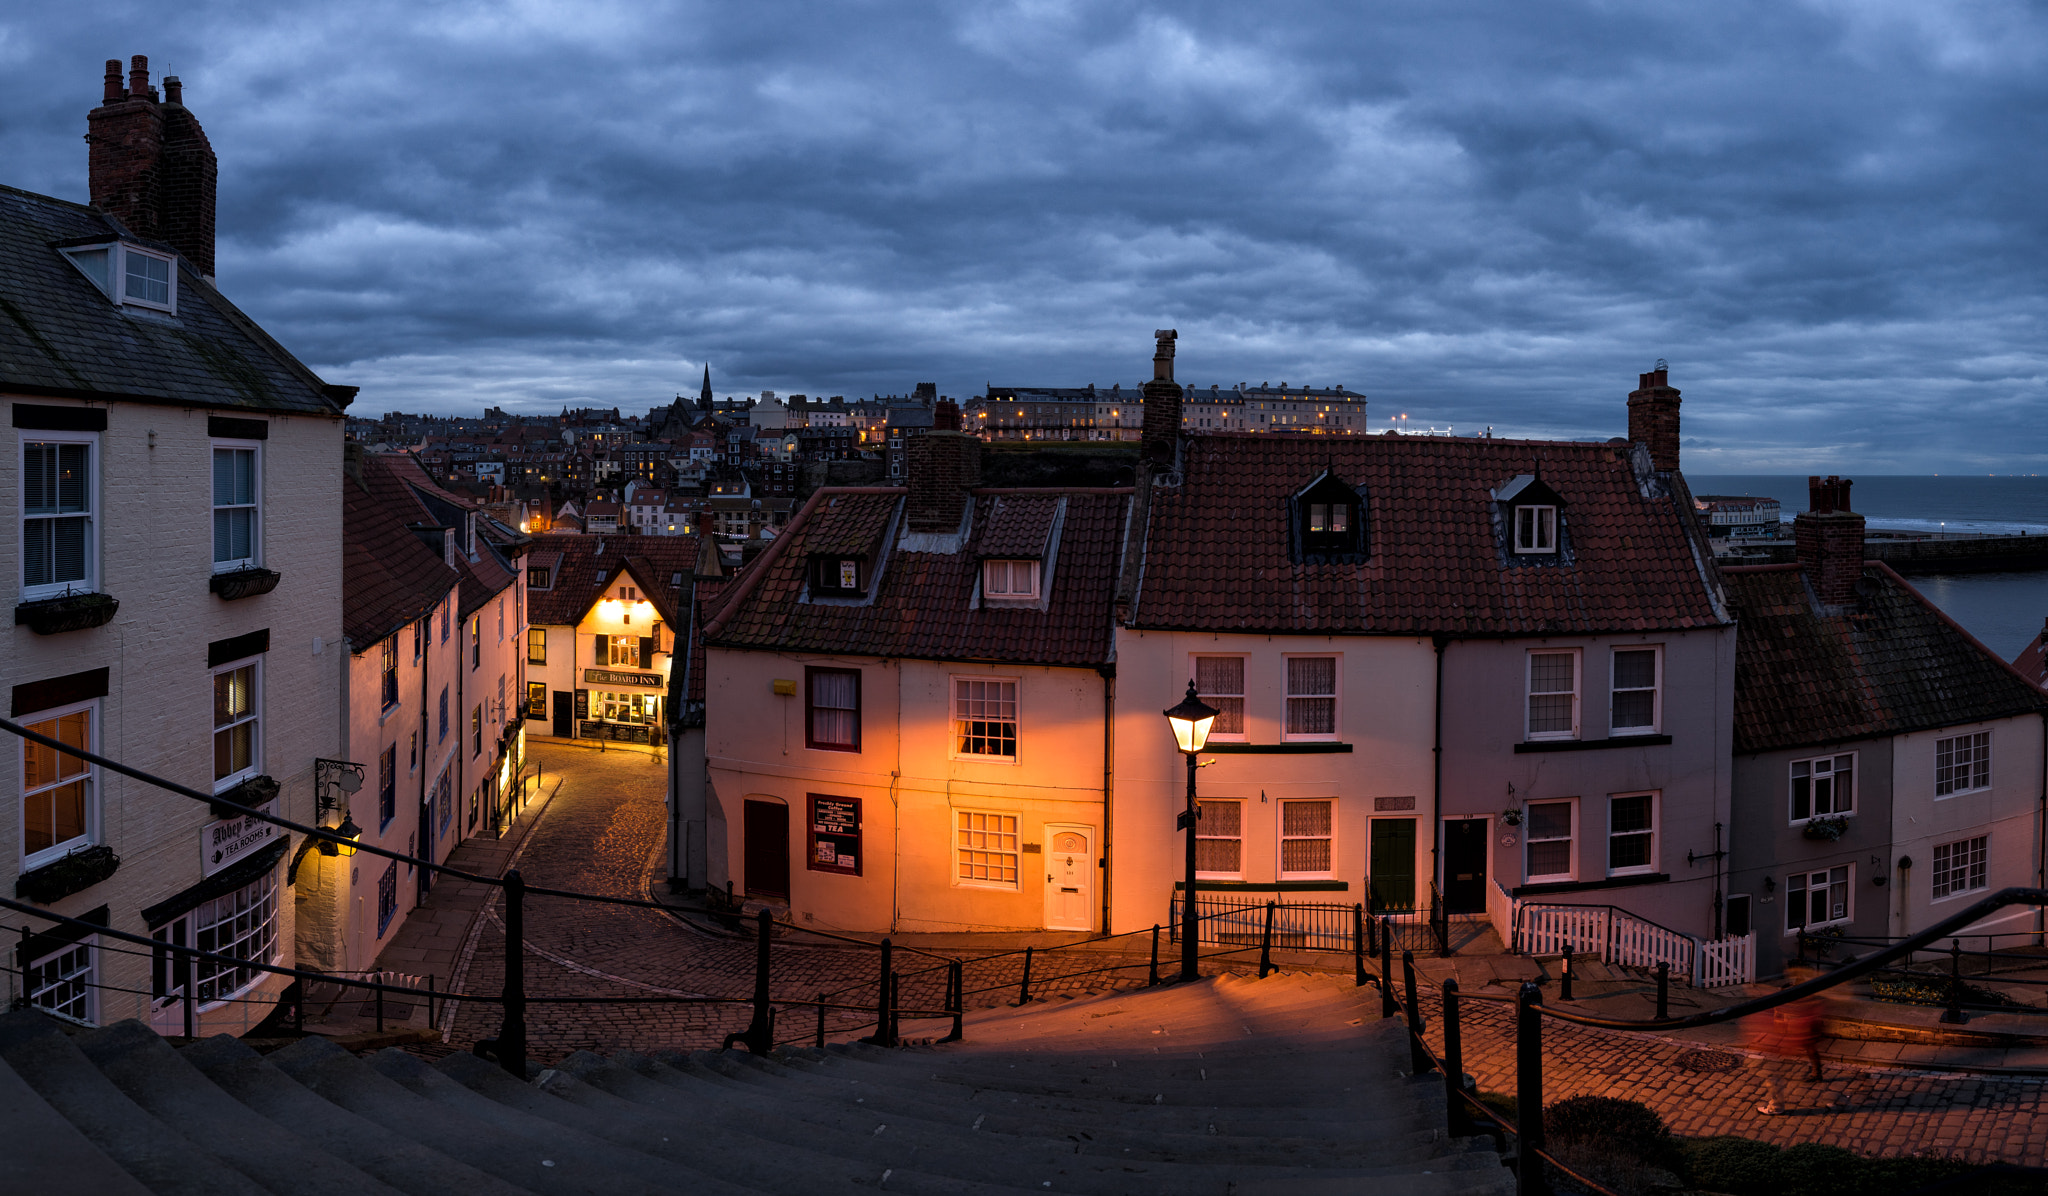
(1770, 884)
(349, 831)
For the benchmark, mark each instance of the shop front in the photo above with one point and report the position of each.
(624, 707)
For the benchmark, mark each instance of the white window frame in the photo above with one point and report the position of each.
(90, 583)
(115, 284)
(1007, 831)
(1656, 690)
(1216, 735)
(90, 998)
(1975, 868)
(1204, 804)
(1970, 741)
(1805, 876)
(254, 506)
(1656, 833)
(264, 887)
(1541, 519)
(255, 765)
(1572, 843)
(91, 835)
(1335, 696)
(1529, 694)
(1834, 762)
(959, 720)
(998, 579)
(1283, 839)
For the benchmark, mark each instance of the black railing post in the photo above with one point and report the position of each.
(956, 985)
(1358, 945)
(1152, 978)
(759, 1038)
(881, 1037)
(1953, 1015)
(1529, 1179)
(430, 1003)
(1418, 1058)
(1564, 978)
(1024, 985)
(1387, 1006)
(380, 1001)
(819, 1039)
(511, 1044)
(1663, 989)
(1266, 944)
(1454, 1061)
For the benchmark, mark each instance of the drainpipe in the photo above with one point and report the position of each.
(2041, 839)
(1436, 799)
(1108, 674)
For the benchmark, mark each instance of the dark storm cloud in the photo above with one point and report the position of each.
(1827, 215)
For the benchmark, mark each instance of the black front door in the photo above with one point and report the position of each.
(1391, 861)
(1465, 865)
(565, 710)
(766, 850)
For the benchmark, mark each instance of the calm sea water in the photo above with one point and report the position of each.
(2005, 610)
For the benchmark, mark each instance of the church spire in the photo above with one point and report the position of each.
(704, 396)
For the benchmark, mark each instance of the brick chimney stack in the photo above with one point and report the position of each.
(1653, 418)
(150, 164)
(942, 464)
(1162, 402)
(1829, 541)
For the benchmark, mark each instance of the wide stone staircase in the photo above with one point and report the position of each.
(1230, 1086)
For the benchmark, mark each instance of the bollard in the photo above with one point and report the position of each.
(1529, 1179)
(1387, 1006)
(511, 1043)
(430, 1001)
(1266, 944)
(819, 1039)
(380, 1001)
(1418, 1059)
(1663, 989)
(1454, 1062)
(1564, 978)
(956, 988)
(1358, 945)
(1152, 979)
(881, 1037)
(1953, 1015)
(1024, 985)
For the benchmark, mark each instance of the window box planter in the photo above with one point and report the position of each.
(244, 583)
(67, 612)
(76, 872)
(1825, 829)
(255, 792)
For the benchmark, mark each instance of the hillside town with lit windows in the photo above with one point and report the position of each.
(316, 716)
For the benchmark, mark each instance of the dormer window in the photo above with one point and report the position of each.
(128, 274)
(1536, 529)
(1329, 522)
(836, 576)
(1010, 580)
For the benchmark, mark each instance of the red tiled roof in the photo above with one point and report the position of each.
(1018, 526)
(588, 564)
(1896, 664)
(389, 575)
(922, 607)
(483, 578)
(1217, 555)
(2031, 661)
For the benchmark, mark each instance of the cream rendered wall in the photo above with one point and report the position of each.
(2007, 813)
(910, 782)
(154, 540)
(1384, 711)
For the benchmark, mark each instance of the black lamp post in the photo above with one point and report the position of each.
(1190, 721)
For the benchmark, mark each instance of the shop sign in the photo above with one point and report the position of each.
(228, 840)
(605, 677)
(835, 835)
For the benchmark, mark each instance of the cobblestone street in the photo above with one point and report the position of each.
(601, 832)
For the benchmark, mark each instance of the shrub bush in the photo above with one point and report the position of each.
(1619, 1143)
(1738, 1166)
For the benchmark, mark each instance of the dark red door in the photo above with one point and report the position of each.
(766, 827)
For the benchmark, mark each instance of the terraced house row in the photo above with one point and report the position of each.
(1495, 682)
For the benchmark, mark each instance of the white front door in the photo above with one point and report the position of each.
(1069, 877)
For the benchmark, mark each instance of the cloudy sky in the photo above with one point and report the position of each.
(1829, 216)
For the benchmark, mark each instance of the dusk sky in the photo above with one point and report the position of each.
(1828, 216)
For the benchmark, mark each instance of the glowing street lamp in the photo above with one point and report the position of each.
(1190, 721)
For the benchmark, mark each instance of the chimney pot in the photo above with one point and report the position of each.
(113, 92)
(138, 76)
(174, 91)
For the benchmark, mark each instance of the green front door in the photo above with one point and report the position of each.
(1392, 864)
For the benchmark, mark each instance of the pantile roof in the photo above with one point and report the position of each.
(923, 602)
(1895, 664)
(586, 564)
(1218, 554)
(62, 336)
(390, 576)
(492, 570)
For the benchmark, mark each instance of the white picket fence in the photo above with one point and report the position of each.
(1617, 936)
(1728, 961)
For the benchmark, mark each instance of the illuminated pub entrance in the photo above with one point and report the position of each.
(621, 706)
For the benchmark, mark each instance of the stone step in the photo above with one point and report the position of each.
(46, 1153)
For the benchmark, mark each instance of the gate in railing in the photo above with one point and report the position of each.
(1728, 961)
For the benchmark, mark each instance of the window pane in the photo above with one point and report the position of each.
(1219, 675)
(1219, 855)
(1311, 675)
(233, 694)
(1305, 818)
(71, 477)
(1550, 673)
(1550, 820)
(1550, 859)
(1223, 819)
(1635, 670)
(1305, 855)
(1550, 714)
(1340, 517)
(1630, 814)
(1636, 709)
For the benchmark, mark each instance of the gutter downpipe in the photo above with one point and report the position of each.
(1108, 674)
(1436, 799)
(2041, 838)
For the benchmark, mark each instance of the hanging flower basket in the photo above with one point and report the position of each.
(254, 793)
(1826, 830)
(58, 879)
(244, 583)
(66, 612)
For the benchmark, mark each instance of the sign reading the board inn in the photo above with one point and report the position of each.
(604, 677)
